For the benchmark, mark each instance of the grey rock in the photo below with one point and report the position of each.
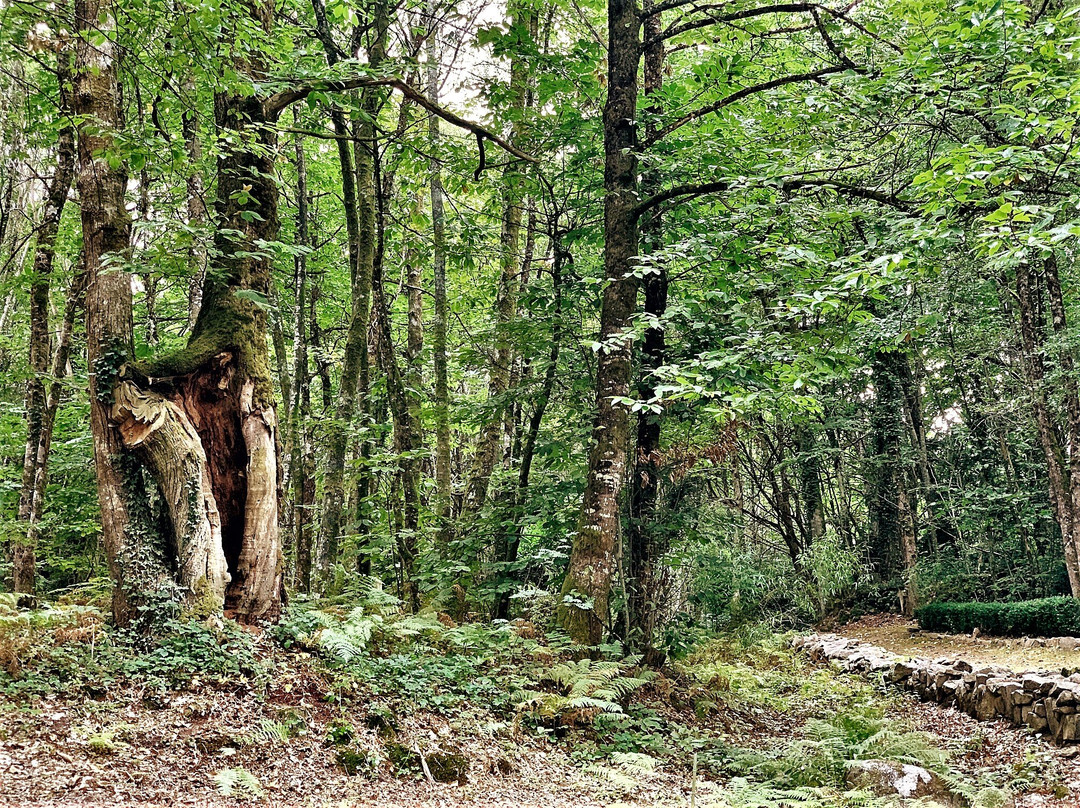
(884, 778)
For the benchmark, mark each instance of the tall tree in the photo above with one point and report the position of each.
(587, 586)
(488, 448)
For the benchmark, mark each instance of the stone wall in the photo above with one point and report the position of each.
(1045, 702)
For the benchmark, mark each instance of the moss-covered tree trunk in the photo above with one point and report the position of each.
(223, 380)
(892, 546)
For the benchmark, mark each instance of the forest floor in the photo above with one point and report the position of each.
(80, 728)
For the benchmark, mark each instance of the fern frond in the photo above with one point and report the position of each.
(237, 783)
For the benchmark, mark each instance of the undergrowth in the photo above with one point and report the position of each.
(68, 648)
(759, 724)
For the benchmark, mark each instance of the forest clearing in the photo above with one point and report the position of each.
(519, 403)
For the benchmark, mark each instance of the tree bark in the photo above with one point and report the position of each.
(301, 479)
(137, 561)
(223, 379)
(528, 451)
(584, 609)
(358, 193)
(196, 205)
(407, 479)
(75, 300)
(1071, 394)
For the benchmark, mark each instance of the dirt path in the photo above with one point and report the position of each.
(895, 633)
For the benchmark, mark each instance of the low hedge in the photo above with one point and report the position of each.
(1048, 617)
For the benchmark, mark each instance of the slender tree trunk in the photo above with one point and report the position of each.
(358, 192)
(808, 463)
(1069, 386)
(301, 478)
(38, 420)
(499, 369)
(196, 204)
(584, 609)
(1032, 337)
(322, 364)
(407, 479)
(528, 451)
(75, 300)
(414, 280)
(646, 539)
(886, 432)
(281, 360)
(443, 481)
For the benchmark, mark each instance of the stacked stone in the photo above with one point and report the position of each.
(1044, 702)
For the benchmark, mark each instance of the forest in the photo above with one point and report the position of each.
(504, 402)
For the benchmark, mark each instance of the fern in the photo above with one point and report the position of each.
(346, 641)
(583, 689)
(238, 783)
(743, 793)
(267, 733)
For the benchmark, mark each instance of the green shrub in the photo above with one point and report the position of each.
(1048, 617)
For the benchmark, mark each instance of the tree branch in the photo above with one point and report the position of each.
(721, 186)
(735, 16)
(278, 102)
(738, 96)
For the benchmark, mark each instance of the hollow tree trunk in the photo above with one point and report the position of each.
(38, 422)
(223, 380)
(583, 611)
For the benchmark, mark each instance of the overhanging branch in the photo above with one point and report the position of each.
(278, 102)
(745, 92)
(690, 191)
